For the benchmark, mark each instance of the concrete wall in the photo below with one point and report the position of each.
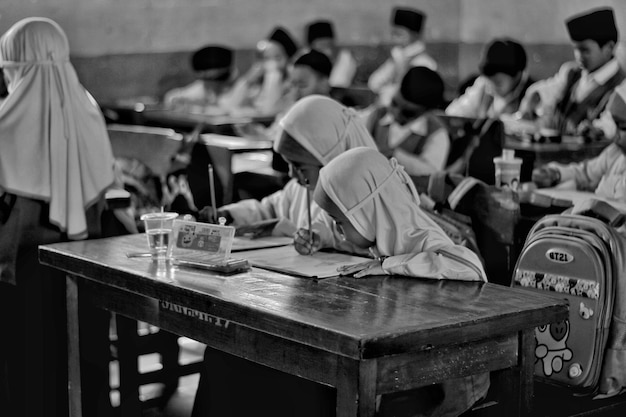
(126, 48)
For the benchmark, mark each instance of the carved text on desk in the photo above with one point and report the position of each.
(190, 312)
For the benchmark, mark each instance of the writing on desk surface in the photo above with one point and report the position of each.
(190, 312)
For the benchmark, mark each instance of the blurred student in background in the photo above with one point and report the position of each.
(573, 100)
(408, 129)
(501, 85)
(605, 174)
(262, 90)
(409, 50)
(321, 37)
(214, 72)
(55, 165)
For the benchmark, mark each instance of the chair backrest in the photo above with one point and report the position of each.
(153, 146)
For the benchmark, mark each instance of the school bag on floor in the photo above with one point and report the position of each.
(580, 257)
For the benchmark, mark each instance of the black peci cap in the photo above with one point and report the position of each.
(213, 60)
(503, 55)
(423, 86)
(411, 19)
(282, 37)
(598, 25)
(315, 60)
(319, 29)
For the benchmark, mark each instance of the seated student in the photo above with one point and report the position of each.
(573, 100)
(606, 173)
(374, 202)
(262, 89)
(321, 37)
(56, 163)
(407, 129)
(501, 85)
(408, 51)
(315, 130)
(213, 68)
(308, 76)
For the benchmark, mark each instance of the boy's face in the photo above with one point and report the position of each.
(401, 36)
(591, 56)
(403, 111)
(502, 84)
(343, 225)
(305, 82)
(273, 52)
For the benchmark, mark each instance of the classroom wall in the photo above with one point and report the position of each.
(129, 48)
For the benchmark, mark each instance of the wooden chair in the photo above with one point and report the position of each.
(155, 147)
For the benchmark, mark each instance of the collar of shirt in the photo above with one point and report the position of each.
(590, 80)
(398, 133)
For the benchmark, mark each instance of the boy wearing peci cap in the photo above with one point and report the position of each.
(321, 37)
(501, 85)
(213, 69)
(409, 50)
(605, 175)
(573, 100)
(407, 129)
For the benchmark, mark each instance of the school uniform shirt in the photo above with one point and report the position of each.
(480, 101)
(605, 174)
(574, 95)
(268, 98)
(421, 146)
(344, 70)
(385, 80)
(195, 94)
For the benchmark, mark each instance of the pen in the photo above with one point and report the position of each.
(308, 209)
(212, 186)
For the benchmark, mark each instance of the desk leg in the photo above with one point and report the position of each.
(517, 383)
(356, 388)
(73, 347)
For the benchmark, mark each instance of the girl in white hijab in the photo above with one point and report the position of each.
(55, 165)
(374, 203)
(315, 130)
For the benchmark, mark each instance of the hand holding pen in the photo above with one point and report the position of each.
(306, 242)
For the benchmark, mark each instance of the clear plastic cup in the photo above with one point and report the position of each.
(508, 170)
(159, 228)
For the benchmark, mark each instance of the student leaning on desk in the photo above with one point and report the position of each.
(315, 130)
(605, 174)
(573, 101)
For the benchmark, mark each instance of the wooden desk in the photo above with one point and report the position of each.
(221, 149)
(571, 149)
(188, 121)
(365, 337)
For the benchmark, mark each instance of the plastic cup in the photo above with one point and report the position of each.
(159, 228)
(507, 172)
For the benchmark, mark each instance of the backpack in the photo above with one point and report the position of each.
(580, 257)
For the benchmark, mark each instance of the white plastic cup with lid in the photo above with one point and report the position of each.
(508, 169)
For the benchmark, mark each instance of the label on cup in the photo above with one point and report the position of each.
(507, 172)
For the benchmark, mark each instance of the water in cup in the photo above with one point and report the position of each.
(159, 241)
(159, 228)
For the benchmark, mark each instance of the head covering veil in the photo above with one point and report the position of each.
(53, 137)
(324, 128)
(379, 199)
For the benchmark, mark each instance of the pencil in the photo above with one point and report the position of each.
(308, 209)
(213, 218)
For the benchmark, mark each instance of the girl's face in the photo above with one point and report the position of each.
(305, 172)
(343, 224)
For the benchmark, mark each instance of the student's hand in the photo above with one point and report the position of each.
(208, 215)
(546, 177)
(255, 73)
(306, 243)
(258, 229)
(373, 267)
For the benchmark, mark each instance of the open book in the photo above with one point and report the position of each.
(285, 259)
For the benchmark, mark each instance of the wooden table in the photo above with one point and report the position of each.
(570, 149)
(185, 120)
(365, 337)
(222, 148)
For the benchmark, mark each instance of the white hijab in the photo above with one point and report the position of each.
(324, 127)
(53, 137)
(381, 202)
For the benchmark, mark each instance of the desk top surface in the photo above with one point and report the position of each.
(567, 144)
(235, 143)
(359, 318)
(192, 119)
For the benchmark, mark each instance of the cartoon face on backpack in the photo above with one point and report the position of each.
(552, 347)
